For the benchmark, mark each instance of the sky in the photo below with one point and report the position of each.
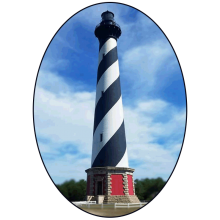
(153, 95)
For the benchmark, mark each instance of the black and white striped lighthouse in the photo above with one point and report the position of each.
(109, 179)
(109, 144)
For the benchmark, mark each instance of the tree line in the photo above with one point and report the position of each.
(145, 189)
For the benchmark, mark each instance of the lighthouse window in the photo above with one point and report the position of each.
(103, 55)
(102, 93)
(100, 137)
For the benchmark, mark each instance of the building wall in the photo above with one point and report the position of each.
(116, 181)
(117, 184)
(130, 185)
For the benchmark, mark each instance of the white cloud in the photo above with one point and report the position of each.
(153, 106)
(61, 114)
(144, 62)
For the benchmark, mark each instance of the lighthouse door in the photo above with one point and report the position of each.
(99, 188)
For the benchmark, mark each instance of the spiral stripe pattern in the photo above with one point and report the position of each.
(109, 142)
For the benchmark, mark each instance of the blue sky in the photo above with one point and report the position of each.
(152, 92)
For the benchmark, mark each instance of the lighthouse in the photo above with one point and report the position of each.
(109, 180)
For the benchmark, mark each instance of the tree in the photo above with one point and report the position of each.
(72, 190)
(147, 189)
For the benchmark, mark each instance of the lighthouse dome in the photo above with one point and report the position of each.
(107, 16)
